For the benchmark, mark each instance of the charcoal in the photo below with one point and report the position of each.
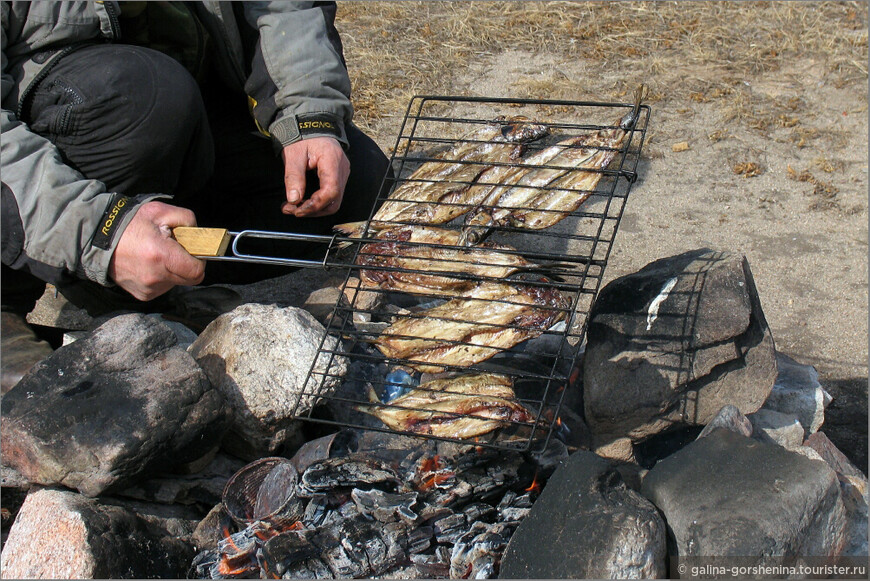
(367, 547)
(514, 508)
(348, 511)
(311, 569)
(449, 528)
(396, 537)
(354, 540)
(342, 564)
(550, 457)
(282, 552)
(442, 552)
(507, 500)
(316, 511)
(419, 539)
(477, 553)
(203, 564)
(430, 512)
(347, 472)
(478, 511)
(238, 544)
(384, 506)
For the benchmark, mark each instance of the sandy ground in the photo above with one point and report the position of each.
(800, 217)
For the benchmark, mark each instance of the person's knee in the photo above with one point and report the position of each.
(133, 117)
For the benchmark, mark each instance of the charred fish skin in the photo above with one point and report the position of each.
(458, 407)
(425, 260)
(473, 327)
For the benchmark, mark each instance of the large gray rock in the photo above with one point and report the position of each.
(673, 343)
(727, 495)
(259, 357)
(587, 524)
(60, 534)
(111, 408)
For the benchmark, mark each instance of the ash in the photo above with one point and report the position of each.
(393, 506)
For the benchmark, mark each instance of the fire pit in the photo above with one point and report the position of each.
(370, 504)
(468, 291)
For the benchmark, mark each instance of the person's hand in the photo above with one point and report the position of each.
(148, 261)
(325, 155)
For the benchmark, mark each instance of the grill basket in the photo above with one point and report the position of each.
(571, 256)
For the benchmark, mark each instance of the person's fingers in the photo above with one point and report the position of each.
(295, 164)
(181, 267)
(147, 261)
(333, 169)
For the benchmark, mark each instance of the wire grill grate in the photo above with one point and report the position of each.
(443, 294)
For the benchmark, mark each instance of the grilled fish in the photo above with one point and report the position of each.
(471, 328)
(540, 197)
(457, 407)
(429, 257)
(438, 191)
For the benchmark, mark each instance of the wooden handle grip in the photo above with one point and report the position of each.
(202, 241)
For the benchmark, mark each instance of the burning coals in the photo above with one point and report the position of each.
(431, 510)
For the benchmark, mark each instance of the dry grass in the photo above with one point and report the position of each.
(398, 49)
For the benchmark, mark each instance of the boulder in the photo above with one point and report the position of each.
(259, 357)
(60, 534)
(587, 524)
(727, 495)
(673, 343)
(853, 489)
(111, 408)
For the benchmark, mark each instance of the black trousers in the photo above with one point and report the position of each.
(135, 119)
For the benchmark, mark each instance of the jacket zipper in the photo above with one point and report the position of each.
(200, 41)
(114, 23)
(75, 99)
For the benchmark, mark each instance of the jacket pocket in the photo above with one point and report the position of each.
(53, 107)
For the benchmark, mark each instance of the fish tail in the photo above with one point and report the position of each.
(369, 408)
(350, 229)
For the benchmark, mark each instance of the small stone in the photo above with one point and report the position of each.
(620, 450)
(729, 418)
(797, 391)
(832, 455)
(322, 304)
(783, 429)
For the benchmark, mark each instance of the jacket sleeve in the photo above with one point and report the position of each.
(55, 223)
(298, 84)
